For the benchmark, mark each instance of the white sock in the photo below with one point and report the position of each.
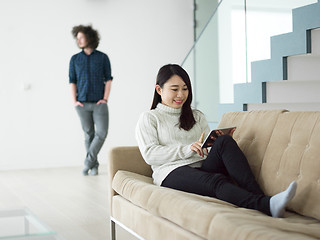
(279, 201)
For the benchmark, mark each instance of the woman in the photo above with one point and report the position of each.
(168, 136)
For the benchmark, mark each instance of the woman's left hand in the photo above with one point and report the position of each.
(220, 133)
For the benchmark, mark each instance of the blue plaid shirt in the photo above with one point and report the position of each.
(89, 73)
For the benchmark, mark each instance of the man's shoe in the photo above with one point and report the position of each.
(94, 171)
(85, 171)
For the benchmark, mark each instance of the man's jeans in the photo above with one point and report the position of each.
(95, 122)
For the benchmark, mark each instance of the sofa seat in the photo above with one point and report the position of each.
(207, 217)
(253, 226)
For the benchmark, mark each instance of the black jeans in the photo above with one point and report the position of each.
(225, 174)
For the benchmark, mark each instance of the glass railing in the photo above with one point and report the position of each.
(237, 33)
(203, 10)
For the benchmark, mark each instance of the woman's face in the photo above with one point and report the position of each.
(81, 40)
(174, 92)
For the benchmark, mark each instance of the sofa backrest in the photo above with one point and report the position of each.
(293, 153)
(254, 129)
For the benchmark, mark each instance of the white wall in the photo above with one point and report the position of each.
(38, 124)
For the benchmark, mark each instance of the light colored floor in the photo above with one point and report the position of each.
(73, 205)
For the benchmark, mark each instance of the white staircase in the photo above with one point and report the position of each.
(301, 92)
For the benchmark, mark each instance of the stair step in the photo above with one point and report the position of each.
(315, 41)
(266, 70)
(288, 44)
(292, 91)
(304, 67)
(305, 17)
(288, 106)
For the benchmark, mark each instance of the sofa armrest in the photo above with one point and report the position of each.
(128, 159)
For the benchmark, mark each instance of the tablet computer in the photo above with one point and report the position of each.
(209, 141)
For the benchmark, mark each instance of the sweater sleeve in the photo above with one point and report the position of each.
(152, 151)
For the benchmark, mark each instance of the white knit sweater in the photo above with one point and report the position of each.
(164, 145)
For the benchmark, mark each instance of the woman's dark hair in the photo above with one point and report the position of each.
(165, 73)
(92, 36)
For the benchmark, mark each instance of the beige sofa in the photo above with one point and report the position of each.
(281, 146)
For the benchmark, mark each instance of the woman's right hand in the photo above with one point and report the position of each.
(196, 146)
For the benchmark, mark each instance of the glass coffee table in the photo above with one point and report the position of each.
(21, 224)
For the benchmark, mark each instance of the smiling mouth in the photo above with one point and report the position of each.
(179, 102)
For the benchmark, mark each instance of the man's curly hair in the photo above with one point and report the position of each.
(92, 36)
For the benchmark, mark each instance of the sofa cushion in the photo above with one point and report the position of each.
(294, 154)
(199, 214)
(244, 227)
(145, 224)
(190, 211)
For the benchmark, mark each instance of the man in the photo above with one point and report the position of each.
(90, 80)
